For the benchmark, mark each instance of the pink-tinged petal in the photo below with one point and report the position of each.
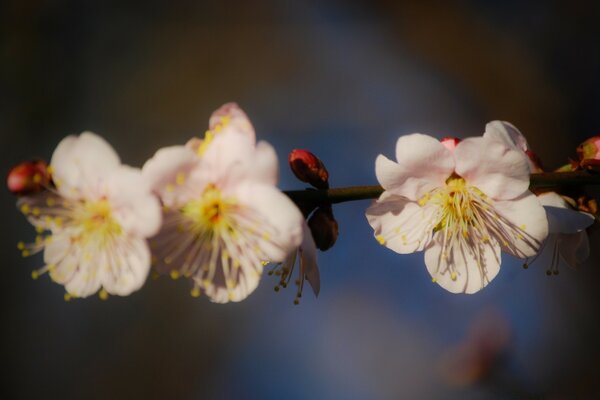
(231, 118)
(57, 248)
(246, 284)
(561, 218)
(126, 270)
(228, 158)
(468, 267)
(499, 171)
(522, 225)
(79, 163)
(574, 248)
(308, 260)
(277, 220)
(133, 205)
(265, 167)
(423, 164)
(400, 224)
(168, 170)
(507, 133)
(79, 272)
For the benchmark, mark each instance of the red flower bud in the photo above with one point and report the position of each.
(323, 227)
(308, 168)
(28, 177)
(450, 142)
(590, 149)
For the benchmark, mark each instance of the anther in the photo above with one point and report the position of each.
(103, 294)
(525, 265)
(174, 274)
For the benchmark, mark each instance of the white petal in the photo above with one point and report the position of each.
(79, 163)
(277, 219)
(247, 281)
(400, 224)
(474, 264)
(308, 260)
(134, 206)
(126, 271)
(231, 118)
(523, 225)
(423, 164)
(166, 170)
(264, 168)
(499, 171)
(561, 218)
(507, 133)
(228, 159)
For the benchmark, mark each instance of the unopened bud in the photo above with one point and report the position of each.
(309, 168)
(28, 177)
(590, 149)
(323, 227)
(450, 142)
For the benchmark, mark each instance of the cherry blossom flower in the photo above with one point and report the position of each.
(567, 239)
(223, 216)
(98, 216)
(460, 206)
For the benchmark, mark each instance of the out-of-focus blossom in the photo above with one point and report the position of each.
(98, 219)
(223, 216)
(567, 239)
(477, 356)
(308, 269)
(461, 207)
(28, 177)
(589, 149)
(308, 168)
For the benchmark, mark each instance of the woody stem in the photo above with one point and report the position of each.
(546, 180)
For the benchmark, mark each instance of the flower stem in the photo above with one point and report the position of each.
(547, 180)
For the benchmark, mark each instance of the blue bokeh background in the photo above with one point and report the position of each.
(343, 79)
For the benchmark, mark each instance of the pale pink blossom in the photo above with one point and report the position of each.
(460, 207)
(98, 217)
(223, 216)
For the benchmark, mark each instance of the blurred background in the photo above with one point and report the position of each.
(343, 79)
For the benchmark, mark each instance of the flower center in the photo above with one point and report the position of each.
(96, 220)
(459, 203)
(209, 212)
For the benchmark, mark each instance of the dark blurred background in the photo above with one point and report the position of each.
(343, 79)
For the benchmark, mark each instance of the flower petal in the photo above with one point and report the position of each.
(473, 264)
(308, 260)
(230, 117)
(507, 133)
(522, 225)
(79, 163)
(277, 222)
(499, 171)
(127, 268)
(423, 164)
(134, 206)
(168, 170)
(561, 218)
(400, 224)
